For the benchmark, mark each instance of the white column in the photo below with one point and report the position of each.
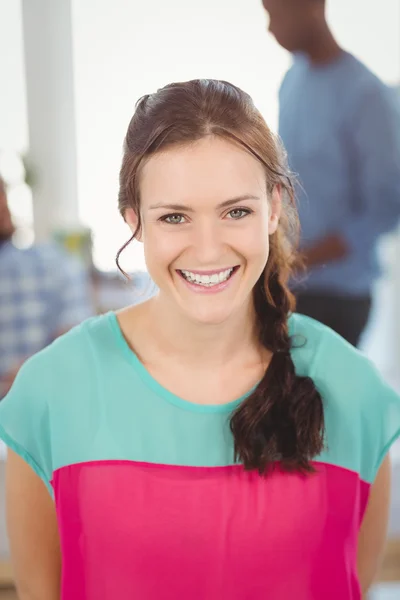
(47, 27)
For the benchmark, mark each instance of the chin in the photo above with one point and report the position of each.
(287, 47)
(211, 314)
(286, 44)
(211, 319)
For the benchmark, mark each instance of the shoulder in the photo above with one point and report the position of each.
(57, 261)
(65, 363)
(366, 89)
(362, 412)
(51, 256)
(293, 75)
(13, 258)
(38, 260)
(53, 400)
(58, 387)
(322, 354)
(335, 365)
(309, 339)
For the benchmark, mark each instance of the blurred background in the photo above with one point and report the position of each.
(71, 72)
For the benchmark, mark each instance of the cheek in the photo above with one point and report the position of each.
(256, 249)
(160, 248)
(253, 241)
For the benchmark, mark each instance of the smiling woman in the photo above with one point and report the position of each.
(208, 443)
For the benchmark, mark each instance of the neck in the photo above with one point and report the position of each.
(203, 344)
(322, 48)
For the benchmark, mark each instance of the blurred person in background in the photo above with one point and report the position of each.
(341, 128)
(43, 293)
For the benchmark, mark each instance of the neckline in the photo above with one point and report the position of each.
(159, 389)
(328, 66)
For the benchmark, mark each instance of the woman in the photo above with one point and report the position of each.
(208, 443)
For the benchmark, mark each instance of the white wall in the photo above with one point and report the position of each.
(13, 120)
(371, 31)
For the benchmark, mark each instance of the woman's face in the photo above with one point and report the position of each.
(206, 218)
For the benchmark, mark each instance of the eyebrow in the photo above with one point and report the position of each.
(185, 208)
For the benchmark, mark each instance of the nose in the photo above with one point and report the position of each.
(208, 244)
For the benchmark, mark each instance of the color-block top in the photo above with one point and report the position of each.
(150, 503)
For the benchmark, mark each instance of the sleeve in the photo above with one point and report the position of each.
(366, 407)
(377, 414)
(74, 300)
(373, 135)
(24, 419)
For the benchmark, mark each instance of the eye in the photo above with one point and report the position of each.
(174, 219)
(239, 213)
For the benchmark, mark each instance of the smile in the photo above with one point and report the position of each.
(209, 278)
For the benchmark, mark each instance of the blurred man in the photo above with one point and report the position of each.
(43, 293)
(341, 129)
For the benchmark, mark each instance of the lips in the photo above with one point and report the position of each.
(207, 278)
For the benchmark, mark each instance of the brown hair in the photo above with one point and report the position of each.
(282, 419)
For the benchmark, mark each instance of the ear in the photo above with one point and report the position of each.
(275, 209)
(132, 219)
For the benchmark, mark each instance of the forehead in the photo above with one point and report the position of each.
(210, 169)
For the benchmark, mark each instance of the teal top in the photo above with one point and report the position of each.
(82, 397)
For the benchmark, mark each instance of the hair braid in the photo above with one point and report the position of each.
(283, 419)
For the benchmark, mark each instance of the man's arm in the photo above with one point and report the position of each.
(330, 248)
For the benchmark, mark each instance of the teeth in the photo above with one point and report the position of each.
(207, 280)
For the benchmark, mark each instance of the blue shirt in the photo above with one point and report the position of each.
(43, 292)
(341, 129)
